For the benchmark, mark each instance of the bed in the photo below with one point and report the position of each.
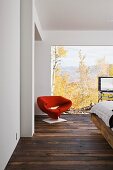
(102, 116)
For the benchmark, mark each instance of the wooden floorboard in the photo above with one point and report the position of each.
(73, 145)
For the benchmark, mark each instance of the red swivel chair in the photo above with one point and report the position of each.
(53, 106)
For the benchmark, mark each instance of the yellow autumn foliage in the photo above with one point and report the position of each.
(83, 92)
(61, 52)
(111, 70)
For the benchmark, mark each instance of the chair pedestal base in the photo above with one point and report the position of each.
(50, 120)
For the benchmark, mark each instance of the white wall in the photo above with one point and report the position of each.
(42, 71)
(29, 20)
(43, 53)
(27, 37)
(9, 78)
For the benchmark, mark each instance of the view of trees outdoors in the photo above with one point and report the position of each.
(75, 71)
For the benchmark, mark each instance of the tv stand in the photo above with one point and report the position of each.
(102, 95)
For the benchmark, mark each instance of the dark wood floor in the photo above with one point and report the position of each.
(73, 145)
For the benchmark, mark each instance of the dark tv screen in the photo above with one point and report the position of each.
(105, 84)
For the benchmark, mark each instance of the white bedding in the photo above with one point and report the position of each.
(103, 110)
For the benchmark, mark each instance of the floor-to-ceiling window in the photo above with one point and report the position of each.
(75, 71)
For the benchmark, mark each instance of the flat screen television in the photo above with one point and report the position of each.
(105, 84)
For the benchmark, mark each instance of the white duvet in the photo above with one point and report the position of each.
(103, 110)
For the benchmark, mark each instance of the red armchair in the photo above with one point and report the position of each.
(60, 104)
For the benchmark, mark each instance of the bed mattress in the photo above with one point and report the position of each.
(104, 110)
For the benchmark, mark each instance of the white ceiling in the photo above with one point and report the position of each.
(75, 14)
